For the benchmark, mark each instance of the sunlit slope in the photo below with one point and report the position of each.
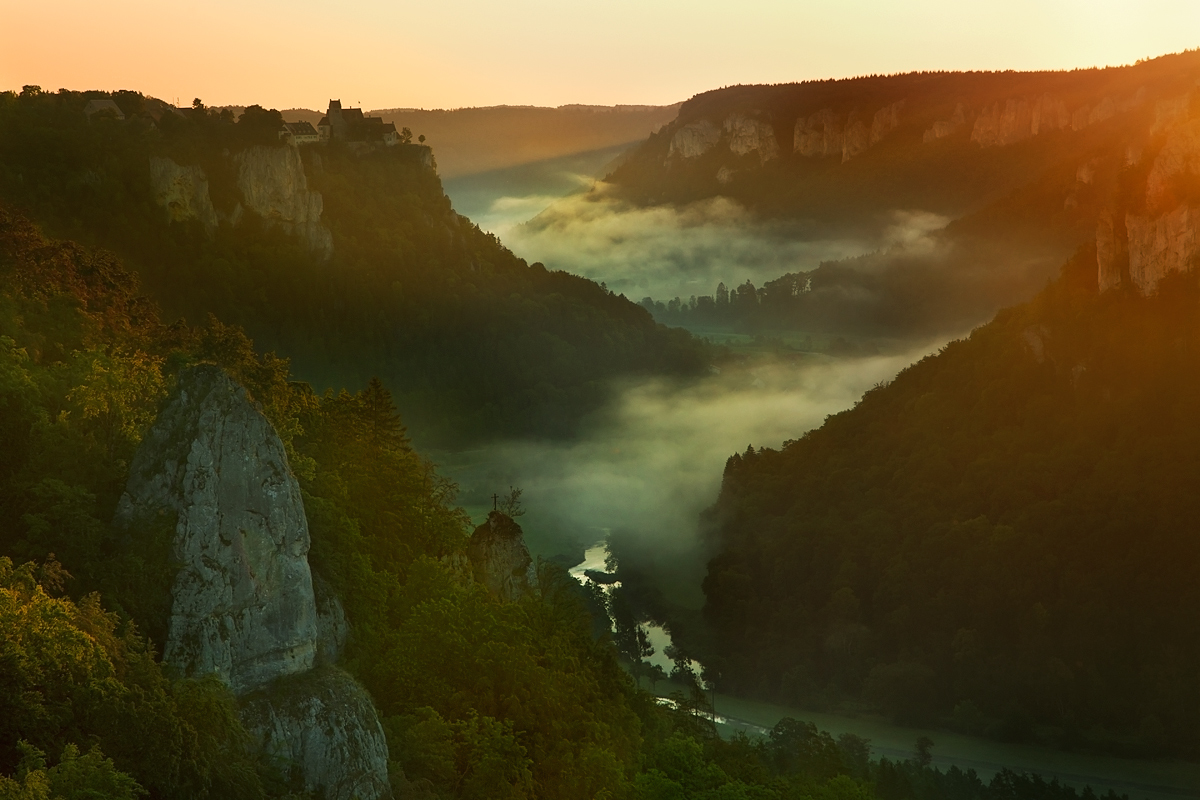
(1021, 166)
(347, 257)
(844, 150)
(1003, 539)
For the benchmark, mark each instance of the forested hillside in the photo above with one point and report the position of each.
(480, 698)
(375, 276)
(966, 190)
(1001, 540)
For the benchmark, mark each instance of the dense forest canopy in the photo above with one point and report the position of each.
(479, 698)
(1000, 540)
(474, 341)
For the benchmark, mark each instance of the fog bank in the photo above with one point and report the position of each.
(668, 251)
(647, 467)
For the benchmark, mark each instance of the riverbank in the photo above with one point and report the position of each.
(1140, 779)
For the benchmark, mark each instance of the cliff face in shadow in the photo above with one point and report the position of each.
(243, 605)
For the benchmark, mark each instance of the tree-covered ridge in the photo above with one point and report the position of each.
(476, 341)
(480, 698)
(1002, 539)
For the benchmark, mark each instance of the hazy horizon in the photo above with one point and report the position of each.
(481, 55)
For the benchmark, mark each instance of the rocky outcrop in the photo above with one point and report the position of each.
(1020, 119)
(183, 192)
(333, 629)
(273, 185)
(856, 139)
(818, 135)
(694, 139)
(242, 602)
(1146, 246)
(1048, 114)
(997, 126)
(886, 120)
(943, 128)
(1161, 245)
(499, 559)
(322, 731)
(748, 135)
(1179, 157)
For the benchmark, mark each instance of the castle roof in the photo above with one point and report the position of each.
(300, 128)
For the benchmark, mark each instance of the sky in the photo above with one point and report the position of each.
(458, 53)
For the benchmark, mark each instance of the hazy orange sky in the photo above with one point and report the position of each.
(484, 52)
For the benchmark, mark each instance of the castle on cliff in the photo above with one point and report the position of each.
(349, 125)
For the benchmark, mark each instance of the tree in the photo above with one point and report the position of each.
(924, 751)
(511, 504)
(421, 138)
(405, 136)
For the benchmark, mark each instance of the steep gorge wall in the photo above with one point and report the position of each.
(243, 603)
(1162, 234)
(272, 184)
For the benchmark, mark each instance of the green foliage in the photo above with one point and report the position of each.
(481, 698)
(74, 777)
(480, 343)
(1000, 538)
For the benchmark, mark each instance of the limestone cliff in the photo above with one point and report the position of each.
(1021, 118)
(694, 139)
(183, 192)
(856, 139)
(886, 120)
(243, 604)
(273, 185)
(945, 127)
(826, 134)
(818, 135)
(498, 556)
(1163, 235)
(321, 728)
(748, 135)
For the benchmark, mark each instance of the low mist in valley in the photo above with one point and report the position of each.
(646, 468)
(668, 251)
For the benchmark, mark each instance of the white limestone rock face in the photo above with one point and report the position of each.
(322, 729)
(242, 602)
(1166, 237)
(694, 139)
(1180, 155)
(1007, 125)
(183, 192)
(273, 185)
(818, 135)
(856, 139)
(1049, 114)
(886, 120)
(1162, 245)
(748, 135)
(499, 559)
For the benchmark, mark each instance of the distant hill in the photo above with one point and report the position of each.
(1003, 538)
(1024, 164)
(471, 140)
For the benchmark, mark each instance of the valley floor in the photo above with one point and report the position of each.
(1148, 779)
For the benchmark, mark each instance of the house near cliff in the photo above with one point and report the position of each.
(299, 133)
(350, 125)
